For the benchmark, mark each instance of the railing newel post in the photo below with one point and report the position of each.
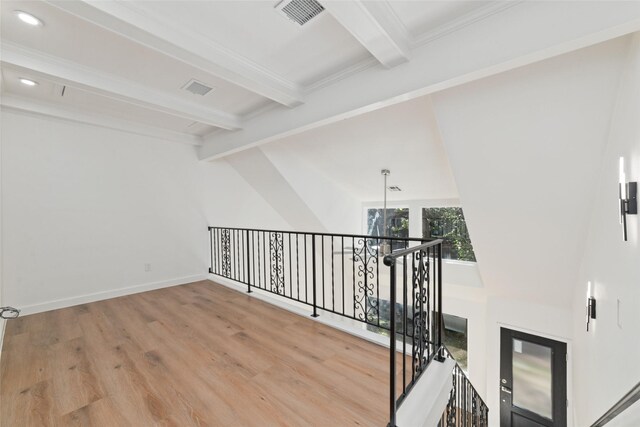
(440, 315)
(313, 272)
(248, 265)
(391, 262)
(210, 250)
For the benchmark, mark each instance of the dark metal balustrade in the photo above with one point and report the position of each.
(347, 275)
(417, 273)
(465, 407)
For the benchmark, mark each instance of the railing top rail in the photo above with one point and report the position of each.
(319, 233)
(389, 259)
(620, 406)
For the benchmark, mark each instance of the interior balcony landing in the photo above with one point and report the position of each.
(196, 354)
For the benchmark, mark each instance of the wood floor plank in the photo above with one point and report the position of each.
(23, 363)
(31, 406)
(75, 383)
(198, 354)
(99, 413)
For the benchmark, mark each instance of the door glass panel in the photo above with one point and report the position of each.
(532, 377)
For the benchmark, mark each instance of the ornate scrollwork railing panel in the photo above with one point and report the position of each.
(421, 332)
(225, 239)
(276, 252)
(366, 305)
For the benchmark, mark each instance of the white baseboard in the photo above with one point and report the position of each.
(112, 293)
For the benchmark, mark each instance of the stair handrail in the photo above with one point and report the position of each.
(620, 406)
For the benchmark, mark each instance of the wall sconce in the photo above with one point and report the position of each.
(591, 305)
(628, 201)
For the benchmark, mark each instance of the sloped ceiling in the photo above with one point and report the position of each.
(266, 179)
(525, 148)
(403, 138)
(317, 180)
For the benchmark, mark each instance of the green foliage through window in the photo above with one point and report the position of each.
(448, 224)
(397, 222)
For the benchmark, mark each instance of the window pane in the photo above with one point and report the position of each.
(532, 377)
(397, 224)
(448, 224)
(455, 337)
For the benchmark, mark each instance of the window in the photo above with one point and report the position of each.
(397, 224)
(448, 224)
(455, 338)
(455, 328)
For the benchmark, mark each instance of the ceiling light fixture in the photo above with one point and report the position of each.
(28, 82)
(28, 18)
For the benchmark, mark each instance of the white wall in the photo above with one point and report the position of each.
(267, 179)
(523, 147)
(336, 209)
(2, 321)
(85, 208)
(607, 357)
(232, 201)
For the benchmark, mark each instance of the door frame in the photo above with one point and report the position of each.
(550, 336)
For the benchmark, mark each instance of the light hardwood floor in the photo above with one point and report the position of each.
(197, 354)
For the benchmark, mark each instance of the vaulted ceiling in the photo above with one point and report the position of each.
(126, 64)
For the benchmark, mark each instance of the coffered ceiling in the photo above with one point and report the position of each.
(125, 64)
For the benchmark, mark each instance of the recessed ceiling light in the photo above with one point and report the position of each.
(28, 18)
(28, 82)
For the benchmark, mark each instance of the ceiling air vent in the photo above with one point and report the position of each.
(394, 188)
(197, 88)
(299, 11)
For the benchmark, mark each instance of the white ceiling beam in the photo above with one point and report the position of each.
(91, 80)
(375, 27)
(504, 41)
(185, 45)
(18, 103)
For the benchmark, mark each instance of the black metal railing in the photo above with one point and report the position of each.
(337, 273)
(417, 273)
(342, 274)
(465, 407)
